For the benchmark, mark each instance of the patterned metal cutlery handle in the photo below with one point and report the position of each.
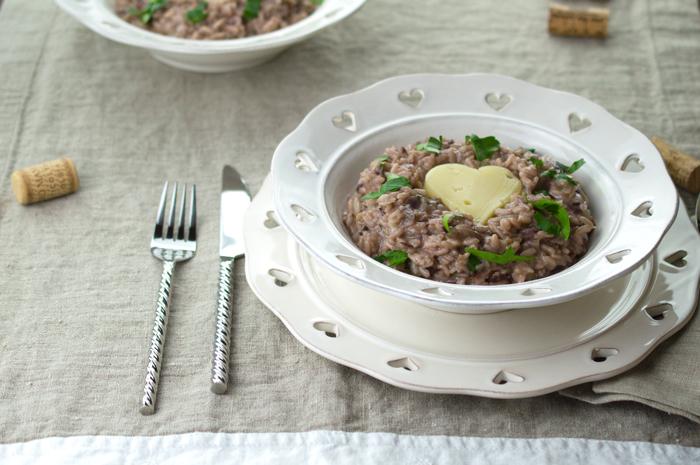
(222, 339)
(155, 352)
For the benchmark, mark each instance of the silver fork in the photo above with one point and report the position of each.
(170, 248)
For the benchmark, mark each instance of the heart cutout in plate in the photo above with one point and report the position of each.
(305, 162)
(270, 220)
(632, 164)
(406, 363)
(498, 101)
(578, 123)
(412, 98)
(505, 377)
(643, 210)
(345, 120)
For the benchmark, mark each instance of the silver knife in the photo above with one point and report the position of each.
(235, 199)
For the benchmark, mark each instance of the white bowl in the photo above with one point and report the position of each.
(206, 56)
(316, 166)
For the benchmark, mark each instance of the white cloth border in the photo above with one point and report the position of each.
(337, 448)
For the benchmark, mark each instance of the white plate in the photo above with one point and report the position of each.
(316, 166)
(507, 354)
(206, 56)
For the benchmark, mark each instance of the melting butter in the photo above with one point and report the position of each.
(473, 192)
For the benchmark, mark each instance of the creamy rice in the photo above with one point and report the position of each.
(409, 221)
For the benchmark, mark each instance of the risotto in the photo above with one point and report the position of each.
(539, 230)
(214, 19)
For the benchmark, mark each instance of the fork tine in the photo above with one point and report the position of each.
(192, 234)
(171, 213)
(158, 232)
(181, 222)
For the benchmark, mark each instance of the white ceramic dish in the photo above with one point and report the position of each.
(507, 354)
(206, 56)
(316, 166)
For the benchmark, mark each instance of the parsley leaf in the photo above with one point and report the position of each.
(562, 171)
(565, 177)
(504, 258)
(552, 217)
(146, 14)
(484, 147)
(381, 160)
(198, 13)
(473, 262)
(251, 9)
(446, 220)
(531, 150)
(392, 257)
(539, 164)
(393, 183)
(573, 168)
(434, 145)
(554, 174)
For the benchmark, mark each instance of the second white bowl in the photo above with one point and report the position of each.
(206, 56)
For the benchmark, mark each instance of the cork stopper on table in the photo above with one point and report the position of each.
(683, 168)
(578, 22)
(45, 181)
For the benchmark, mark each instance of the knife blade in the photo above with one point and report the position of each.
(235, 199)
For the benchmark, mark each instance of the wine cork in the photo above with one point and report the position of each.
(585, 22)
(683, 168)
(45, 181)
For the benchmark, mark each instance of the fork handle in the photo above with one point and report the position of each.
(222, 337)
(155, 351)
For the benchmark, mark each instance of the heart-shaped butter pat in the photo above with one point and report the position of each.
(473, 192)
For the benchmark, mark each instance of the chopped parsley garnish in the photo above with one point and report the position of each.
(562, 172)
(531, 150)
(539, 164)
(393, 183)
(316, 2)
(484, 147)
(198, 13)
(473, 262)
(573, 168)
(446, 220)
(552, 217)
(559, 176)
(392, 257)
(146, 14)
(434, 145)
(504, 258)
(251, 9)
(381, 160)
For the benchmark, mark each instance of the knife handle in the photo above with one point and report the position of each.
(222, 337)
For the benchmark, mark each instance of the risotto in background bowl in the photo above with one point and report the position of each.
(329, 177)
(210, 36)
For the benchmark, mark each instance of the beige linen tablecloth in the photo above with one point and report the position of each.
(77, 285)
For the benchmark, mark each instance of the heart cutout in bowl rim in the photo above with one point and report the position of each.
(345, 120)
(578, 123)
(413, 98)
(498, 101)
